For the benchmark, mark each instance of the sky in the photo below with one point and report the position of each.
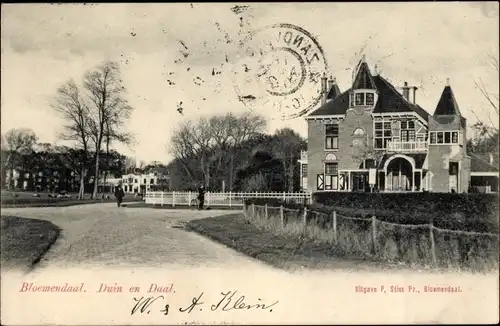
(173, 53)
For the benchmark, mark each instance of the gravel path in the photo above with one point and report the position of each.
(106, 235)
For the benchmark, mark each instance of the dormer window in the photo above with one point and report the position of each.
(360, 98)
(369, 98)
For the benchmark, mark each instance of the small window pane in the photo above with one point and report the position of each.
(378, 125)
(369, 98)
(332, 130)
(331, 168)
(387, 125)
(351, 101)
(360, 98)
(387, 133)
(404, 124)
(411, 135)
(433, 137)
(304, 170)
(411, 124)
(378, 142)
(454, 137)
(378, 133)
(447, 138)
(440, 137)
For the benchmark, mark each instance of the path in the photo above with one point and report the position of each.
(105, 235)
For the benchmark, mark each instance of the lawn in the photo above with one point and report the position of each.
(281, 251)
(25, 199)
(24, 241)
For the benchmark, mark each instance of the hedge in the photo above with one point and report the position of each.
(467, 212)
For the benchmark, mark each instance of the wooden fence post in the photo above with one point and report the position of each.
(305, 216)
(229, 199)
(265, 212)
(253, 210)
(161, 199)
(334, 224)
(433, 243)
(189, 199)
(173, 199)
(282, 216)
(374, 234)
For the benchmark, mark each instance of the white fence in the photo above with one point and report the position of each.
(229, 199)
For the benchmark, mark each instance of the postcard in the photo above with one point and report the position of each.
(249, 163)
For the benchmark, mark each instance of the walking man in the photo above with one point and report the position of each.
(201, 196)
(119, 194)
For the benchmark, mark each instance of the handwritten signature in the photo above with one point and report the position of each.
(228, 301)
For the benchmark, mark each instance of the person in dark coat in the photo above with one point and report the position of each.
(201, 196)
(119, 194)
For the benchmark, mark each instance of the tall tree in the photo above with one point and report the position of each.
(108, 108)
(287, 147)
(71, 106)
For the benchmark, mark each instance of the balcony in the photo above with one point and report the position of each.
(407, 146)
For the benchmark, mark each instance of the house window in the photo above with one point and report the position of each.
(331, 176)
(304, 170)
(407, 131)
(360, 98)
(454, 137)
(447, 137)
(369, 99)
(440, 137)
(332, 137)
(144, 181)
(135, 181)
(383, 134)
(126, 188)
(351, 100)
(433, 137)
(152, 181)
(368, 164)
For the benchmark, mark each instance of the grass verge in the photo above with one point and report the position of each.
(53, 202)
(279, 250)
(24, 241)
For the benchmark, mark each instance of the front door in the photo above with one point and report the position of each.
(360, 181)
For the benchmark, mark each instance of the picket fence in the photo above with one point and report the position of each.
(229, 199)
(279, 218)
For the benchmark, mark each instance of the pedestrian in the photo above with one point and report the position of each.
(119, 194)
(201, 196)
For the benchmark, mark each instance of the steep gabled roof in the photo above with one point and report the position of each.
(339, 105)
(363, 78)
(447, 104)
(390, 100)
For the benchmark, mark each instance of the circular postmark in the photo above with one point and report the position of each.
(280, 67)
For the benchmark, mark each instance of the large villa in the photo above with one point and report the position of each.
(372, 137)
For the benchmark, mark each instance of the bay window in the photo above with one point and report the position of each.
(444, 137)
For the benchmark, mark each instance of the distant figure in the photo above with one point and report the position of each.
(201, 196)
(119, 194)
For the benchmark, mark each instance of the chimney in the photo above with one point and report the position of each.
(324, 90)
(331, 82)
(414, 94)
(406, 91)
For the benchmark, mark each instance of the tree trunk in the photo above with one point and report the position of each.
(291, 174)
(81, 192)
(96, 175)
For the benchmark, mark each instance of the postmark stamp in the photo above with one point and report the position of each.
(279, 67)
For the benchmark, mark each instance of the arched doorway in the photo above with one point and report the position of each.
(399, 175)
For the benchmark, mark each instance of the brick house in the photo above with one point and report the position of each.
(371, 137)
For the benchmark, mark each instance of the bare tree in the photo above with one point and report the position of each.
(108, 108)
(210, 140)
(288, 146)
(17, 142)
(72, 108)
